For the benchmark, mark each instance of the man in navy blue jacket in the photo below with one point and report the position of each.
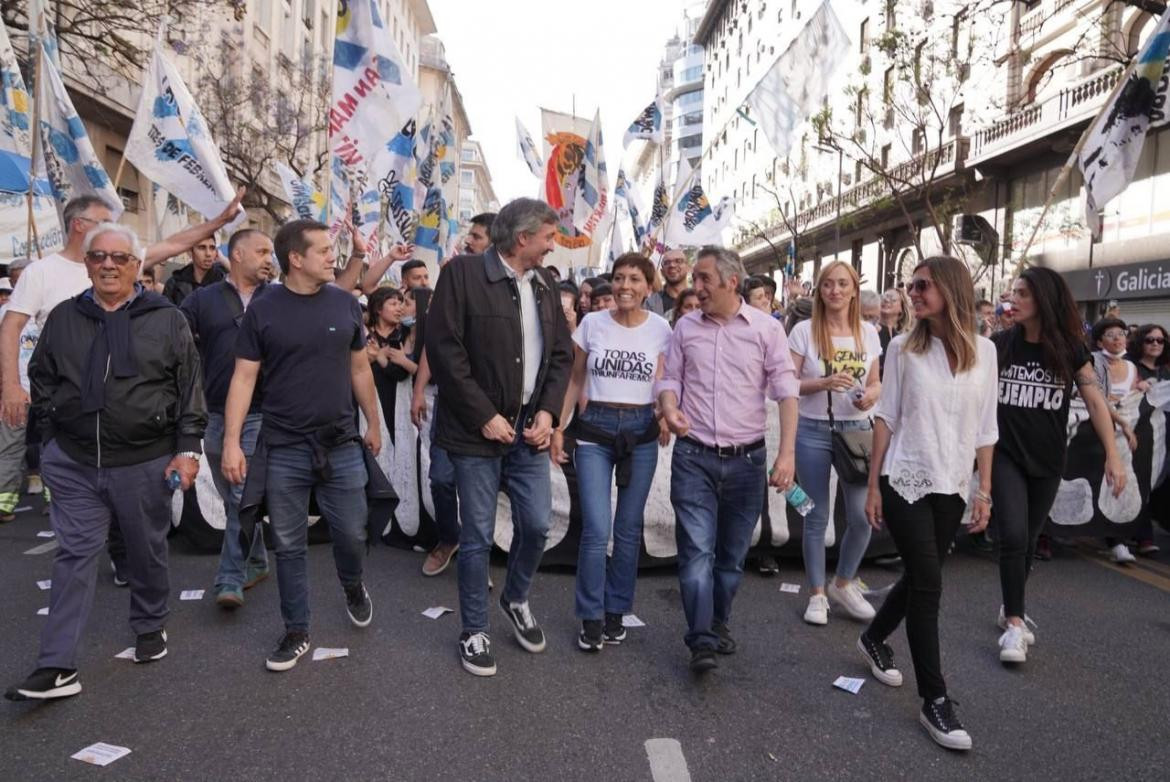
(214, 313)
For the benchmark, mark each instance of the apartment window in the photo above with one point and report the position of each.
(855, 255)
(467, 177)
(857, 171)
(264, 14)
(860, 108)
(863, 36)
(955, 121)
(917, 141)
(467, 153)
(886, 157)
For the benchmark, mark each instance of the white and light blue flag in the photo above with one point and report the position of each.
(307, 201)
(648, 125)
(693, 221)
(592, 198)
(528, 150)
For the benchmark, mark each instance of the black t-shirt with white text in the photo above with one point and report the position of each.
(304, 345)
(1033, 406)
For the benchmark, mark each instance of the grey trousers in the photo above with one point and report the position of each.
(85, 500)
(12, 448)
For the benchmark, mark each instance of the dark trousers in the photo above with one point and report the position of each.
(922, 532)
(1020, 504)
(85, 500)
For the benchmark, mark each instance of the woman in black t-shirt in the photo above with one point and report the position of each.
(1149, 349)
(389, 344)
(1040, 358)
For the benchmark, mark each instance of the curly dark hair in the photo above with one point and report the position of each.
(1137, 340)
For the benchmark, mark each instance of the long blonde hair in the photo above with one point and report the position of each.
(820, 323)
(906, 319)
(953, 281)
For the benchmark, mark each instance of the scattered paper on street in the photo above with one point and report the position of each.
(101, 754)
(46, 584)
(43, 611)
(436, 611)
(849, 684)
(191, 594)
(46, 533)
(125, 654)
(629, 620)
(325, 653)
(792, 588)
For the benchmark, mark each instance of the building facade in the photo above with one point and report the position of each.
(947, 128)
(476, 194)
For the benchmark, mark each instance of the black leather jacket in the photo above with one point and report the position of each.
(158, 411)
(475, 347)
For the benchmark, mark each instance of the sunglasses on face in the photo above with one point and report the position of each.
(1155, 341)
(98, 257)
(919, 286)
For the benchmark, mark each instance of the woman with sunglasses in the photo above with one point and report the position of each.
(1040, 359)
(1147, 349)
(836, 359)
(935, 419)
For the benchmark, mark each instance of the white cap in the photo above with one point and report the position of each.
(5, 284)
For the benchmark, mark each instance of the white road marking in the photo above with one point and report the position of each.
(44, 548)
(667, 763)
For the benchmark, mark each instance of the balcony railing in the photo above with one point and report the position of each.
(1070, 105)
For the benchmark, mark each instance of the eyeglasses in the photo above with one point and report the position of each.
(919, 286)
(1113, 334)
(98, 257)
(1155, 341)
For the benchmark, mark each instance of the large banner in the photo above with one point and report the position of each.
(564, 149)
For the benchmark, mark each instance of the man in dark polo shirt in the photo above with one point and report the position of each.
(306, 337)
(214, 313)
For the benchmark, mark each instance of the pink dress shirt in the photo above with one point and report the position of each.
(722, 372)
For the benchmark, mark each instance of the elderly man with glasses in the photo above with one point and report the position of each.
(116, 382)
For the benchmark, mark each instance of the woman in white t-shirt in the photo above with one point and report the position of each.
(836, 358)
(619, 353)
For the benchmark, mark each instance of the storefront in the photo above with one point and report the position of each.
(1141, 289)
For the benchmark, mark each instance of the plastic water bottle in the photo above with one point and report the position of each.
(174, 480)
(800, 502)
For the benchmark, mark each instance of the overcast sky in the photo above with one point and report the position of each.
(511, 57)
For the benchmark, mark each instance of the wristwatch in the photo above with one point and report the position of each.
(189, 455)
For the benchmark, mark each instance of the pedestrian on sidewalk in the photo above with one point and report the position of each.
(935, 419)
(722, 363)
(618, 355)
(1041, 357)
(306, 338)
(115, 379)
(500, 350)
(214, 313)
(836, 356)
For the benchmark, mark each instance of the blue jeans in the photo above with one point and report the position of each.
(717, 502)
(814, 457)
(234, 562)
(443, 491)
(525, 476)
(342, 501)
(609, 587)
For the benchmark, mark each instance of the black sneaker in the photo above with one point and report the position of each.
(880, 658)
(288, 651)
(119, 579)
(45, 684)
(703, 660)
(358, 605)
(726, 642)
(528, 633)
(614, 632)
(590, 638)
(939, 719)
(150, 647)
(475, 652)
(769, 566)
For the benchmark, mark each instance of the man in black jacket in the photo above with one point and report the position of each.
(501, 353)
(115, 379)
(204, 269)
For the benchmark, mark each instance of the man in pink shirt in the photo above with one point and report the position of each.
(722, 363)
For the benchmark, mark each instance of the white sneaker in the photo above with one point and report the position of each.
(849, 597)
(34, 485)
(1013, 646)
(1121, 554)
(1028, 626)
(817, 612)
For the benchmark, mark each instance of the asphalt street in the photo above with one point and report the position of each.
(1091, 702)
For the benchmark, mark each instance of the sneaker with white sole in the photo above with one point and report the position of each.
(358, 605)
(939, 718)
(45, 684)
(290, 649)
(849, 597)
(880, 659)
(150, 647)
(817, 612)
(1029, 626)
(591, 638)
(475, 652)
(1121, 554)
(1013, 646)
(524, 626)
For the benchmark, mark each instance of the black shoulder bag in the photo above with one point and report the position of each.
(851, 450)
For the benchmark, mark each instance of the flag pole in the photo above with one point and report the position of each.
(31, 236)
(1072, 159)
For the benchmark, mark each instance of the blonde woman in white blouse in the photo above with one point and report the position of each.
(936, 417)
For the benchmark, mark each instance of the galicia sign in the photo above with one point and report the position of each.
(1129, 281)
